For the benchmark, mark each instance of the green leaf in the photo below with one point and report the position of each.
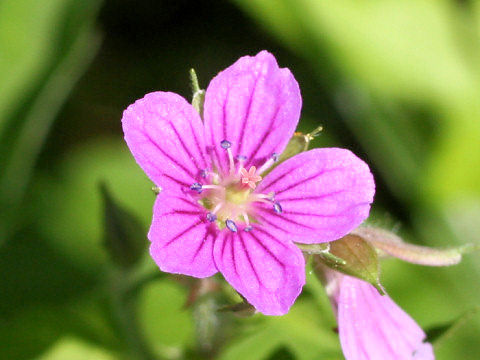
(124, 235)
(75, 349)
(167, 325)
(44, 49)
(68, 208)
(300, 331)
(440, 333)
(360, 257)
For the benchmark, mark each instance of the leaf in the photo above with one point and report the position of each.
(124, 235)
(360, 257)
(41, 60)
(440, 333)
(165, 324)
(300, 331)
(393, 245)
(75, 349)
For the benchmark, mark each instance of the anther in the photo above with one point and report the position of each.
(196, 187)
(277, 207)
(203, 173)
(241, 158)
(231, 225)
(211, 217)
(273, 158)
(248, 229)
(225, 144)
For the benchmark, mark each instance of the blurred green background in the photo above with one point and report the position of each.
(398, 82)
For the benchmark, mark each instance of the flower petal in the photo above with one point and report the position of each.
(323, 193)
(268, 272)
(253, 104)
(373, 327)
(166, 136)
(182, 239)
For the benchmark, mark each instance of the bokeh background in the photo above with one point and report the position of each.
(397, 82)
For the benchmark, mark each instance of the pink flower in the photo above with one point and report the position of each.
(372, 326)
(215, 212)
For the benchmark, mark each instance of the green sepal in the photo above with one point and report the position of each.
(298, 143)
(322, 249)
(198, 98)
(242, 309)
(124, 235)
(360, 259)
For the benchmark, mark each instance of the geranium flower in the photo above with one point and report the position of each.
(372, 326)
(218, 211)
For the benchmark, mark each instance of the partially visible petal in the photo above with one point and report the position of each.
(324, 194)
(181, 237)
(255, 105)
(166, 136)
(268, 272)
(373, 327)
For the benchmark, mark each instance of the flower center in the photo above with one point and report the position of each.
(230, 198)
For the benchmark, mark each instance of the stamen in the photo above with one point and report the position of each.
(277, 207)
(213, 187)
(248, 229)
(263, 197)
(274, 158)
(205, 173)
(231, 225)
(241, 160)
(211, 217)
(218, 207)
(245, 217)
(196, 187)
(227, 146)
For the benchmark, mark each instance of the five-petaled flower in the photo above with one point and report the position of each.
(216, 212)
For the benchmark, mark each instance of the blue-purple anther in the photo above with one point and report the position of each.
(241, 158)
(248, 229)
(203, 173)
(211, 217)
(275, 157)
(277, 207)
(231, 225)
(196, 187)
(225, 144)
